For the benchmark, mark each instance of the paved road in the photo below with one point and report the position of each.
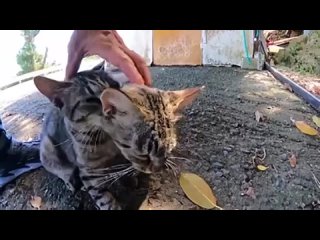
(17, 92)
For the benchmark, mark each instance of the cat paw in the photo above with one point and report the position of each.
(113, 206)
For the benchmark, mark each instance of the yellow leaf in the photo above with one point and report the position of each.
(36, 202)
(197, 190)
(305, 128)
(262, 168)
(316, 120)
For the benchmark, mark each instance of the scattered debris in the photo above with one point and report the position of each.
(259, 116)
(284, 41)
(273, 36)
(250, 192)
(293, 160)
(258, 158)
(288, 87)
(275, 49)
(316, 120)
(316, 180)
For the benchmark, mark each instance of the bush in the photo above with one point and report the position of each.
(302, 55)
(28, 58)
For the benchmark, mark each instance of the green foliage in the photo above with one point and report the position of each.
(302, 55)
(28, 58)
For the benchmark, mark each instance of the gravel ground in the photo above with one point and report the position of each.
(219, 131)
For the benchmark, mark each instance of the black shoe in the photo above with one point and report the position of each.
(20, 158)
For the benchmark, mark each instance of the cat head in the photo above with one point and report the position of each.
(140, 119)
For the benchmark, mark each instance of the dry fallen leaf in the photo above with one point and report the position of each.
(288, 87)
(250, 193)
(259, 116)
(197, 190)
(36, 202)
(316, 120)
(262, 168)
(293, 160)
(305, 128)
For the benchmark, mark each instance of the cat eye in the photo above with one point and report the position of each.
(122, 144)
(93, 100)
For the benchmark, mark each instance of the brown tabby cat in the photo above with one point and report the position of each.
(95, 121)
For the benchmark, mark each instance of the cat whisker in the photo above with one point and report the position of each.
(182, 158)
(96, 140)
(90, 134)
(126, 173)
(115, 167)
(100, 135)
(116, 176)
(68, 140)
(172, 167)
(171, 162)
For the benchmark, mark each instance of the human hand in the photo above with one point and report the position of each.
(108, 45)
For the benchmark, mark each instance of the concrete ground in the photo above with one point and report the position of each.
(219, 131)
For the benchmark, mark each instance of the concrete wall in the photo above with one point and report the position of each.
(189, 47)
(177, 47)
(225, 47)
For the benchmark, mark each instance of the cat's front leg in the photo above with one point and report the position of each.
(103, 199)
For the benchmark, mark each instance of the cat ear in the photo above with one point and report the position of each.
(180, 99)
(50, 88)
(113, 101)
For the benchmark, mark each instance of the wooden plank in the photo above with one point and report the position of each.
(284, 41)
(275, 49)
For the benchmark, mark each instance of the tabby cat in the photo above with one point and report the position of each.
(96, 120)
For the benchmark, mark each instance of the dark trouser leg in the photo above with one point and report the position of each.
(16, 158)
(5, 141)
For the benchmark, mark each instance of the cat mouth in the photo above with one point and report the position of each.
(147, 169)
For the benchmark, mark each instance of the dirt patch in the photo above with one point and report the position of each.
(308, 81)
(219, 131)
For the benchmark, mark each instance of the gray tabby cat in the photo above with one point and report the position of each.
(95, 121)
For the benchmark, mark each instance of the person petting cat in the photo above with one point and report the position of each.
(17, 158)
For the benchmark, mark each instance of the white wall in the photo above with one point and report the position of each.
(10, 44)
(57, 43)
(225, 47)
(140, 41)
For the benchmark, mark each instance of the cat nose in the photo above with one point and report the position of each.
(157, 164)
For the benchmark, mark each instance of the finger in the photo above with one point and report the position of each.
(120, 59)
(119, 39)
(136, 58)
(140, 65)
(73, 65)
